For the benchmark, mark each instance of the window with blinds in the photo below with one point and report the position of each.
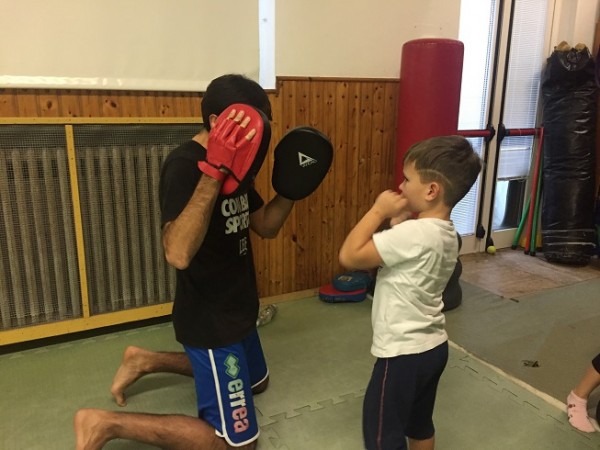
(476, 33)
(525, 65)
(524, 68)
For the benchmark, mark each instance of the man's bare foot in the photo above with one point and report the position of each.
(130, 370)
(91, 430)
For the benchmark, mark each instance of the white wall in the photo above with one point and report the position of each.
(574, 21)
(132, 45)
(355, 38)
(171, 45)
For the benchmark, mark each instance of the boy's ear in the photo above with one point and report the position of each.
(212, 119)
(434, 191)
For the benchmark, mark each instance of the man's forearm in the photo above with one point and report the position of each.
(183, 237)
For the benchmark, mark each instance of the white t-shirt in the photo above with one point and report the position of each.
(419, 257)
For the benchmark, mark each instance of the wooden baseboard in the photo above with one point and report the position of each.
(290, 296)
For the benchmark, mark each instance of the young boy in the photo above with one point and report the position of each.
(415, 260)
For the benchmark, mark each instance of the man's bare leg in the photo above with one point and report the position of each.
(95, 427)
(138, 362)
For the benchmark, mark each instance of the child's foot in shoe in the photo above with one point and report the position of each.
(577, 412)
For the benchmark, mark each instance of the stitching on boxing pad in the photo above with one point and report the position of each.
(258, 159)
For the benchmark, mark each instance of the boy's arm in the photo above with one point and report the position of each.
(268, 220)
(358, 250)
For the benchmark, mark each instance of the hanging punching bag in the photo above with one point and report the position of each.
(429, 93)
(428, 104)
(569, 92)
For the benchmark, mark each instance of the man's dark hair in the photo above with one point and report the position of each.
(233, 88)
(448, 160)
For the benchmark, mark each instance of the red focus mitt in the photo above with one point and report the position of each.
(237, 146)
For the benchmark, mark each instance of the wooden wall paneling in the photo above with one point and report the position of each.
(377, 139)
(148, 107)
(179, 104)
(365, 197)
(125, 104)
(111, 104)
(193, 103)
(326, 97)
(69, 103)
(388, 148)
(345, 186)
(8, 103)
(27, 104)
(182, 105)
(353, 176)
(91, 104)
(48, 103)
(165, 105)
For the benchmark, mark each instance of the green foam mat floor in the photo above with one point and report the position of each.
(320, 364)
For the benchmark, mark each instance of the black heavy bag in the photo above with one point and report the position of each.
(569, 120)
(452, 295)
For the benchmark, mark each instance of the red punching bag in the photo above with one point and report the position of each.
(429, 94)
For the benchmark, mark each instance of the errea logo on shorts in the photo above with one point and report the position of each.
(305, 160)
(237, 398)
(233, 368)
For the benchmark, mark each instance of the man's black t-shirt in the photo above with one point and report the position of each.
(216, 300)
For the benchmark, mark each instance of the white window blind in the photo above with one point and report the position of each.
(476, 33)
(132, 44)
(522, 85)
(526, 59)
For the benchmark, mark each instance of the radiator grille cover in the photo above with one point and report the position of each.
(39, 277)
(118, 168)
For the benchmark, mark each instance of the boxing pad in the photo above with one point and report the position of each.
(352, 281)
(302, 159)
(330, 294)
(230, 156)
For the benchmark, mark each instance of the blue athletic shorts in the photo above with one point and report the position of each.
(224, 379)
(400, 398)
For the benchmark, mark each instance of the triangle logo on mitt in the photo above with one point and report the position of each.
(305, 160)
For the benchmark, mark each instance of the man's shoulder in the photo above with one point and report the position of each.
(190, 151)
